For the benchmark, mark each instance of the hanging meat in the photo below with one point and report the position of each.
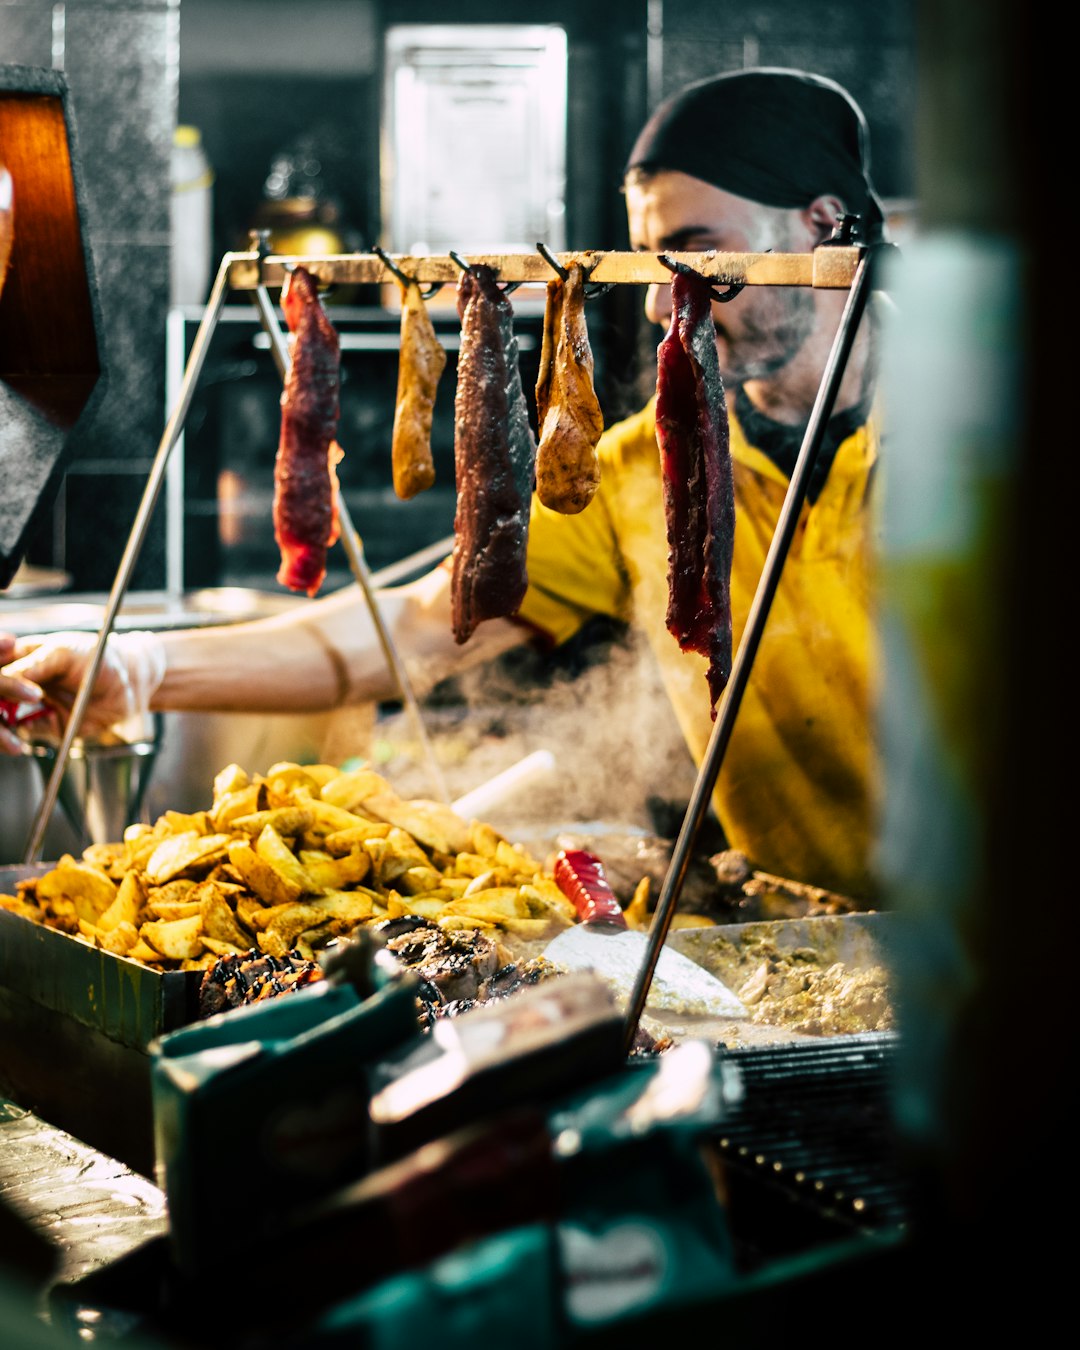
(568, 413)
(305, 479)
(421, 364)
(699, 494)
(494, 459)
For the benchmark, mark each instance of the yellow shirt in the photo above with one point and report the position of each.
(795, 791)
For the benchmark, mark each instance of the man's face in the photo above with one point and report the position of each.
(759, 331)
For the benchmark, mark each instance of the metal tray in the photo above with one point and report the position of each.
(734, 951)
(76, 1024)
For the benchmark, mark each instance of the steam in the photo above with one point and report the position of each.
(609, 726)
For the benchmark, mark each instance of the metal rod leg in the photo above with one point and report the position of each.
(127, 563)
(350, 541)
(755, 624)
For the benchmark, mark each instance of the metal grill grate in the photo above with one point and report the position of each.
(811, 1151)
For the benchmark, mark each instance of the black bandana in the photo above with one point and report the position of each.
(782, 443)
(778, 137)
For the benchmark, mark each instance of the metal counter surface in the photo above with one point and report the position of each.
(90, 1207)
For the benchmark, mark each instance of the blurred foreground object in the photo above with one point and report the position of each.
(50, 370)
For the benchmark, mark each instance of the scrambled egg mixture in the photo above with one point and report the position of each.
(795, 990)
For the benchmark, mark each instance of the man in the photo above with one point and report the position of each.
(751, 161)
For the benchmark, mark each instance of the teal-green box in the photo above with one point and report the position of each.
(265, 1107)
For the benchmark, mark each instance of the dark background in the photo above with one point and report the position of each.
(253, 80)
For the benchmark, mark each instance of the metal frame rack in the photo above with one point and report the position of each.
(837, 264)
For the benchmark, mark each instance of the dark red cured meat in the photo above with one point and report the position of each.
(699, 492)
(305, 483)
(494, 460)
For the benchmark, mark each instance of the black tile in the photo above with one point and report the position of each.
(123, 92)
(26, 33)
(100, 514)
(133, 284)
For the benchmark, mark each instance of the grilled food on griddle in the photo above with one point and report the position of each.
(568, 413)
(305, 481)
(699, 493)
(236, 980)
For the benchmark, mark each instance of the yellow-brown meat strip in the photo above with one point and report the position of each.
(420, 366)
(569, 416)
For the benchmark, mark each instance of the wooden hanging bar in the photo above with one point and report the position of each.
(829, 266)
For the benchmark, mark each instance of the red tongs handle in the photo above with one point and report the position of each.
(580, 877)
(9, 713)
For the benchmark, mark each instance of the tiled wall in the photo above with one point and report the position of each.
(119, 57)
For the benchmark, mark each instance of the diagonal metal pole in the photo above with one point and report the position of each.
(136, 538)
(751, 638)
(350, 540)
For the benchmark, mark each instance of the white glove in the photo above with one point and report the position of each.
(132, 667)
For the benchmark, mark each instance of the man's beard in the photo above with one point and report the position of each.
(765, 344)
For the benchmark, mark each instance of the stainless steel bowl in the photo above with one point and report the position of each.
(102, 792)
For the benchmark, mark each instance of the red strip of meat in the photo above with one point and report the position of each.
(494, 460)
(699, 493)
(305, 483)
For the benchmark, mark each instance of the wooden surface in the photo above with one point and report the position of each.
(830, 267)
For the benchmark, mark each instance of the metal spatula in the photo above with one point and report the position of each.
(602, 942)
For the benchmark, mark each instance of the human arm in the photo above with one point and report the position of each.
(317, 655)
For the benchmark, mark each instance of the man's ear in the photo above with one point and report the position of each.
(821, 216)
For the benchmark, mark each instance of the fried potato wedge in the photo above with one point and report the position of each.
(286, 820)
(219, 948)
(432, 823)
(218, 918)
(418, 880)
(178, 939)
(172, 909)
(349, 790)
(232, 778)
(334, 874)
(120, 939)
(270, 885)
(245, 801)
(274, 851)
(89, 889)
(185, 854)
(130, 898)
(142, 951)
(348, 906)
(344, 841)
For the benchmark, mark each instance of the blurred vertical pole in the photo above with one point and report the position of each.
(974, 720)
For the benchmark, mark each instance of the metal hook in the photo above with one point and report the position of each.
(260, 243)
(674, 265)
(381, 253)
(466, 267)
(406, 281)
(845, 231)
(591, 291)
(552, 261)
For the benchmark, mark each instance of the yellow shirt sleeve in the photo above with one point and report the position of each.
(575, 564)
(796, 791)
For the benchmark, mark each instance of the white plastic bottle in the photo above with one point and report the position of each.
(192, 218)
